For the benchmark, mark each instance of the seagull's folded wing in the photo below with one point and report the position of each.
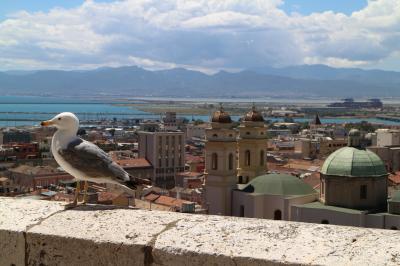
(92, 161)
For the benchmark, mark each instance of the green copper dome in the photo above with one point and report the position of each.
(353, 162)
(278, 184)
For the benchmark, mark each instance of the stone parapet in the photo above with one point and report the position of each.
(44, 233)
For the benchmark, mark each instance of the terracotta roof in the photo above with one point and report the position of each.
(193, 158)
(395, 178)
(169, 201)
(151, 196)
(107, 196)
(134, 163)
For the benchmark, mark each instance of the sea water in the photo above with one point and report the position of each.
(30, 110)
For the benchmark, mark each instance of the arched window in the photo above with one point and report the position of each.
(247, 158)
(214, 161)
(324, 222)
(240, 179)
(278, 215)
(230, 161)
(261, 158)
(215, 135)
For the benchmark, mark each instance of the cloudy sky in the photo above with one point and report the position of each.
(199, 34)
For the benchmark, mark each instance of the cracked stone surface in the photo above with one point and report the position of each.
(95, 235)
(104, 235)
(205, 240)
(16, 216)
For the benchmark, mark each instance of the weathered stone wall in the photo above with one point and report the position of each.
(43, 233)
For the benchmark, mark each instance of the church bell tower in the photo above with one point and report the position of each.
(220, 166)
(252, 146)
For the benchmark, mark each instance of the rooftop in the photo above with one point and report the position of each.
(35, 170)
(254, 116)
(165, 200)
(352, 162)
(278, 184)
(134, 163)
(221, 116)
(319, 205)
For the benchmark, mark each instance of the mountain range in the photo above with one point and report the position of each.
(293, 82)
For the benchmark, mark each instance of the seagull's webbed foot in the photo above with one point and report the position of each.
(75, 202)
(85, 189)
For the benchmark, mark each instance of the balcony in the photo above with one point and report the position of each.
(44, 233)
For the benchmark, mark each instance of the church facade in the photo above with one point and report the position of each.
(232, 157)
(237, 182)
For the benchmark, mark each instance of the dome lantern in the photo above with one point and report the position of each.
(253, 115)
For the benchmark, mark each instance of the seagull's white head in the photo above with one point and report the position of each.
(64, 121)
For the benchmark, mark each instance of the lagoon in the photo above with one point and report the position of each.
(29, 110)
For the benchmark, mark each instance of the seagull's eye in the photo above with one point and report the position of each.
(59, 118)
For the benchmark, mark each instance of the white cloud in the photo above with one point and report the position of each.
(205, 35)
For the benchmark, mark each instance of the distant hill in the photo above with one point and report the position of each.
(295, 81)
(323, 72)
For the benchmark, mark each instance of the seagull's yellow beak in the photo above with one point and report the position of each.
(46, 123)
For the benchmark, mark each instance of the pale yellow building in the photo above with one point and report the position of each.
(318, 147)
(252, 145)
(220, 163)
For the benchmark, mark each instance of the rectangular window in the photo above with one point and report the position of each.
(363, 192)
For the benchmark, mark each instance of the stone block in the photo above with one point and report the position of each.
(96, 235)
(43, 233)
(217, 240)
(16, 216)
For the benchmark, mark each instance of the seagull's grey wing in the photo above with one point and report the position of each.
(92, 161)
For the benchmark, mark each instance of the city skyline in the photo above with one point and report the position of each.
(206, 36)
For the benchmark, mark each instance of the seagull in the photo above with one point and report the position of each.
(83, 159)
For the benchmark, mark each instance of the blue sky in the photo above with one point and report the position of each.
(8, 7)
(307, 7)
(205, 35)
